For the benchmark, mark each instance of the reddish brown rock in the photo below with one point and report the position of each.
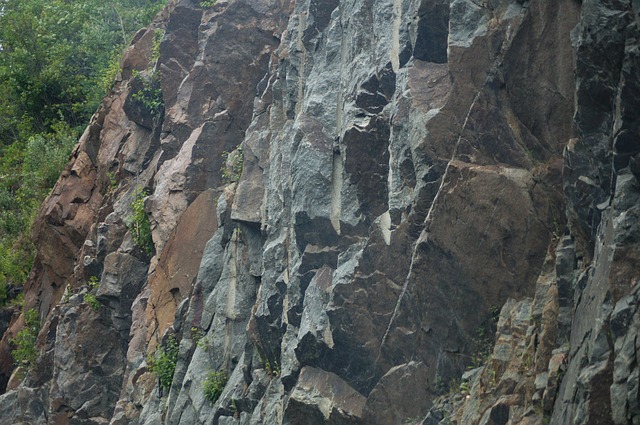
(178, 264)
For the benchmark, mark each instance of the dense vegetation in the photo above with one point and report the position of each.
(58, 58)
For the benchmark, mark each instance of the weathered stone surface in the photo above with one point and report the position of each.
(179, 262)
(393, 399)
(396, 184)
(88, 371)
(321, 397)
(24, 406)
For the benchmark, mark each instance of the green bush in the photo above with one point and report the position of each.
(3, 293)
(232, 165)
(150, 96)
(90, 298)
(110, 72)
(213, 385)
(26, 353)
(92, 301)
(139, 224)
(163, 363)
(158, 35)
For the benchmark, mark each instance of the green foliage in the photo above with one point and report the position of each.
(55, 53)
(232, 165)
(26, 353)
(150, 96)
(158, 35)
(196, 334)
(214, 384)
(110, 72)
(113, 181)
(236, 410)
(92, 301)
(440, 385)
(18, 301)
(3, 293)
(208, 3)
(163, 363)
(139, 224)
(93, 282)
(89, 297)
(484, 347)
(204, 343)
(45, 156)
(272, 370)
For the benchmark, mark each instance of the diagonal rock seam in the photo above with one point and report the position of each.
(427, 221)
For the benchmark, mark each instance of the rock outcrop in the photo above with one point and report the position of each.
(332, 209)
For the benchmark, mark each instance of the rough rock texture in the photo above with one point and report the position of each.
(351, 203)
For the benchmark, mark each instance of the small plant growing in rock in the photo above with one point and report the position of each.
(272, 370)
(26, 353)
(214, 384)
(163, 363)
(204, 343)
(18, 301)
(110, 73)
(150, 96)
(440, 385)
(208, 3)
(66, 297)
(139, 224)
(92, 301)
(236, 410)
(232, 165)
(158, 35)
(93, 282)
(89, 297)
(454, 386)
(113, 181)
(196, 334)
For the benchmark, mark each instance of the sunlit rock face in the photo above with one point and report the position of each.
(360, 212)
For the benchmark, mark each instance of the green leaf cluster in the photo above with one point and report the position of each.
(92, 301)
(26, 353)
(163, 363)
(150, 96)
(214, 384)
(139, 224)
(90, 298)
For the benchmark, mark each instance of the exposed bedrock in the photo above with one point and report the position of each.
(360, 212)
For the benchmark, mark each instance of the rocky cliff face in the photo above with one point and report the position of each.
(350, 203)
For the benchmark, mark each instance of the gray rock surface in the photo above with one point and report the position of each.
(351, 204)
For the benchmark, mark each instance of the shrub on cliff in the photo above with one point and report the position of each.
(139, 224)
(213, 385)
(163, 363)
(26, 353)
